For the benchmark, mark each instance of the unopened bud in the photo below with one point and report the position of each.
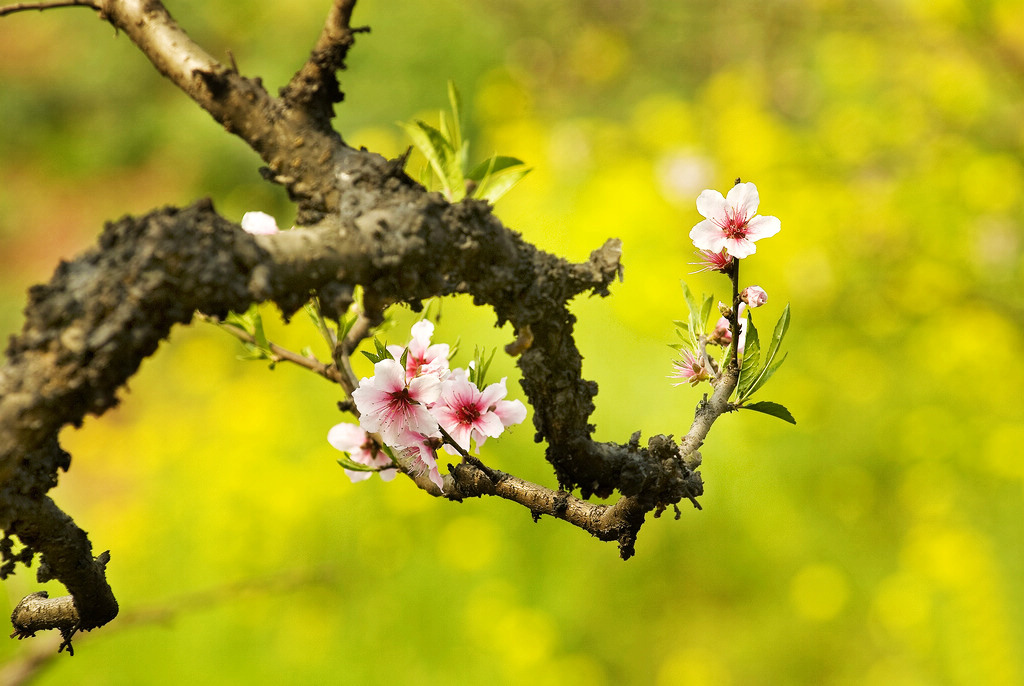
(754, 296)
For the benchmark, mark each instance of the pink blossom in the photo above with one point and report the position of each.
(421, 449)
(467, 413)
(259, 223)
(730, 223)
(754, 296)
(713, 261)
(349, 438)
(423, 358)
(723, 334)
(690, 369)
(390, 406)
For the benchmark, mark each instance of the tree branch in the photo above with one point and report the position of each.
(363, 222)
(314, 88)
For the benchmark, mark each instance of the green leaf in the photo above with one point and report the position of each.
(243, 322)
(691, 302)
(493, 165)
(258, 334)
(705, 312)
(765, 374)
(381, 352)
(349, 464)
(696, 325)
(496, 184)
(751, 358)
(345, 324)
(456, 104)
(781, 327)
(438, 151)
(773, 409)
(481, 363)
(771, 365)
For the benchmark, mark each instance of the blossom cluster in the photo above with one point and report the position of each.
(726, 235)
(408, 406)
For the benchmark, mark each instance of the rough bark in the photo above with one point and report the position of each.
(363, 221)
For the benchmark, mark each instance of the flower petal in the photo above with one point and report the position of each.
(744, 199)
(259, 223)
(424, 389)
(712, 205)
(706, 235)
(510, 412)
(493, 393)
(739, 247)
(763, 227)
(346, 437)
(355, 477)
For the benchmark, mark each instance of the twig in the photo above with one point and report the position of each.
(22, 670)
(314, 365)
(54, 4)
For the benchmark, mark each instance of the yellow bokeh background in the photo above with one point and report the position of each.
(879, 541)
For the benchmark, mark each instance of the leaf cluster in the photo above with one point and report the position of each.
(447, 155)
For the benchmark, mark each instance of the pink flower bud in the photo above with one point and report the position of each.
(754, 296)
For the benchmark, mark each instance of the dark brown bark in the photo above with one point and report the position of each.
(363, 222)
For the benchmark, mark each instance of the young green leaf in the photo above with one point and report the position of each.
(456, 104)
(438, 151)
(773, 409)
(380, 352)
(353, 466)
(751, 358)
(481, 363)
(781, 327)
(345, 324)
(691, 302)
(771, 364)
(765, 374)
(258, 334)
(500, 176)
(705, 312)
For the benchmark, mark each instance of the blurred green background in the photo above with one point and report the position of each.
(877, 542)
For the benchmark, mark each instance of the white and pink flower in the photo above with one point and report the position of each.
(423, 358)
(730, 223)
(467, 413)
(408, 406)
(390, 406)
(361, 449)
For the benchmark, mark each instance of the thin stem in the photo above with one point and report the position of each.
(734, 318)
(26, 6)
(314, 365)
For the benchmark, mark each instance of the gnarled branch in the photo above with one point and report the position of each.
(363, 221)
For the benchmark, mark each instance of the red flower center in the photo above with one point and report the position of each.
(735, 226)
(402, 397)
